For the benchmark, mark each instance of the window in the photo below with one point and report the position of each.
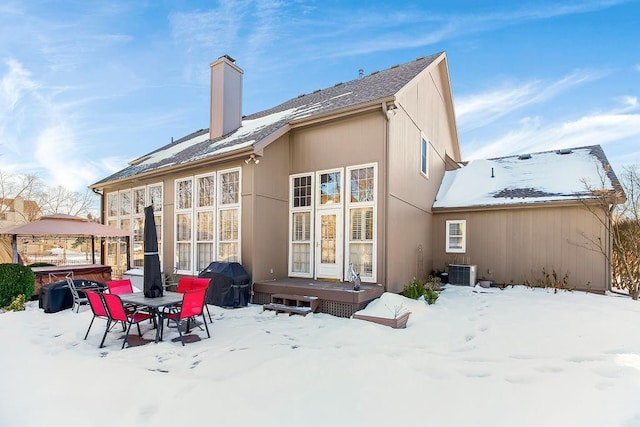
(125, 210)
(301, 225)
(424, 156)
(184, 229)
(456, 236)
(229, 216)
(139, 203)
(330, 188)
(361, 206)
(207, 220)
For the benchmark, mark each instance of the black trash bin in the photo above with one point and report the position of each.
(230, 284)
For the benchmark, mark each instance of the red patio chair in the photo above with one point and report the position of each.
(186, 284)
(192, 306)
(117, 313)
(98, 308)
(119, 287)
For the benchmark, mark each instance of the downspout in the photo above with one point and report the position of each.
(609, 259)
(385, 231)
(103, 246)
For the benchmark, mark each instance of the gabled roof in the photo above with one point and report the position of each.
(256, 127)
(530, 179)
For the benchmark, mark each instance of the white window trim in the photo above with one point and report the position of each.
(318, 194)
(182, 211)
(221, 207)
(196, 210)
(427, 143)
(463, 227)
(132, 215)
(216, 209)
(347, 222)
(311, 210)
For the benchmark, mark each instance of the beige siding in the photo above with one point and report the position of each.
(340, 143)
(422, 109)
(345, 142)
(270, 215)
(515, 245)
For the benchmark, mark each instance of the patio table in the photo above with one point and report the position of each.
(154, 304)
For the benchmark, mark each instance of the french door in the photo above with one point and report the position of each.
(329, 244)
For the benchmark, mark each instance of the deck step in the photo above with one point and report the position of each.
(281, 308)
(293, 304)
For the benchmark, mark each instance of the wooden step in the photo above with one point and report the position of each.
(293, 304)
(281, 308)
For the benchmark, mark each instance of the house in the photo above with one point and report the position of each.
(338, 177)
(519, 218)
(339, 180)
(15, 211)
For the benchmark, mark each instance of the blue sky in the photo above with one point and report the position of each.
(87, 86)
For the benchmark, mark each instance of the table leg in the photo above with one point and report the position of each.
(159, 325)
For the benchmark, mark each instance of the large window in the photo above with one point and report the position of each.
(301, 225)
(184, 229)
(207, 220)
(319, 204)
(361, 206)
(456, 236)
(125, 210)
(229, 216)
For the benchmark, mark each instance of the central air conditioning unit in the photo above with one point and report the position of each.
(462, 274)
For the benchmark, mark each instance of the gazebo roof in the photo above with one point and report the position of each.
(64, 225)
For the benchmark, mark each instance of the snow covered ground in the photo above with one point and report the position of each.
(478, 357)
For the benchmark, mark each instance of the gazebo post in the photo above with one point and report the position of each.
(14, 247)
(93, 249)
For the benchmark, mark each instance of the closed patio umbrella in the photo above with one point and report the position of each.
(152, 274)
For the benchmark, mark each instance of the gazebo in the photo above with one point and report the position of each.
(61, 225)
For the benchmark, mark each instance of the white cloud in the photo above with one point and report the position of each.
(629, 103)
(534, 135)
(637, 67)
(56, 152)
(211, 30)
(14, 84)
(422, 27)
(477, 110)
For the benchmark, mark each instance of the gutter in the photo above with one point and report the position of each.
(334, 114)
(233, 155)
(534, 205)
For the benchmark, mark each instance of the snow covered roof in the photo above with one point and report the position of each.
(550, 176)
(258, 126)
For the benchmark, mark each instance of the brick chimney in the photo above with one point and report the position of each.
(226, 97)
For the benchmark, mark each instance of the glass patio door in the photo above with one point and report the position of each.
(329, 243)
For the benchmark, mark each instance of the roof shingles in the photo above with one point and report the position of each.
(256, 127)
